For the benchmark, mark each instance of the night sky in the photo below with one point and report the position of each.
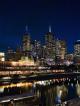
(15, 15)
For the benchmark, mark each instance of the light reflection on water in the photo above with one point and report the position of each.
(53, 94)
(15, 89)
(58, 93)
(21, 84)
(49, 95)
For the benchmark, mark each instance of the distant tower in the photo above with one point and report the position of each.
(49, 38)
(26, 28)
(77, 48)
(77, 52)
(26, 41)
(50, 29)
(50, 45)
(61, 51)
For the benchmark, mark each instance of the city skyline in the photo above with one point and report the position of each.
(42, 41)
(62, 15)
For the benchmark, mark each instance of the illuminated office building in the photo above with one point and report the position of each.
(26, 42)
(77, 48)
(36, 50)
(2, 56)
(37, 45)
(69, 57)
(10, 54)
(50, 46)
(61, 51)
(77, 51)
(13, 55)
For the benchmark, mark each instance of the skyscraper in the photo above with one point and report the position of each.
(12, 55)
(77, 51)
(61, 51)
(50, 46)
(77, 48)
(36, 50)
(26, 42)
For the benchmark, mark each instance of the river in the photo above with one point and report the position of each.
(47, 92)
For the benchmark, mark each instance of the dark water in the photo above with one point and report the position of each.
(57, 94)
(48, 94)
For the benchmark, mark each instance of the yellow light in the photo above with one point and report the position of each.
(14, 63)
(25, 84)
(2, 54)
(3, 59)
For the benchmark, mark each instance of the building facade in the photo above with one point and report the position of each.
(26, 42)
(77, 52)
(61, 51)
(50, 47)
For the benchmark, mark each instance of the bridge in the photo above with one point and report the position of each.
(40, 77)
(49, 76)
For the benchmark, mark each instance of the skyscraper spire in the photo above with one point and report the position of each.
(26, 28)
(49, 28)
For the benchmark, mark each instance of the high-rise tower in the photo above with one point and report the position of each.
(61, 50)
(26, 41)
(77, 51)
(77, 48)
(50, 45)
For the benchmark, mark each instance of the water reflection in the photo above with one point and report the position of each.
(78, 89)
(14, 89)
(48, 94)
(53, 94)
